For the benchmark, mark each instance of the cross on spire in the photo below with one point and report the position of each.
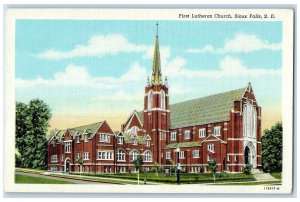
(156, 28)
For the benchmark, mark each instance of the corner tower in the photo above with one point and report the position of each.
(156, 107)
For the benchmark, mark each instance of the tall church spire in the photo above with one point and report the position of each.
(156, 72)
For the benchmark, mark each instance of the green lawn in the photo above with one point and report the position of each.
(251, 183)
(22, 179)
(184, 177)
(277, 175)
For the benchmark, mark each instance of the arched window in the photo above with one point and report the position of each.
(150, 95)
(148, 141)
(120, 155)
(249, 120)
(133, 155)
(134, 130)
(163, 100)
(147, 156)
(254, 122)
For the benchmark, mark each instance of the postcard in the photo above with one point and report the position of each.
(177, 100)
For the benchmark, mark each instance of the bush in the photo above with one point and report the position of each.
(247, 169)
(277, 175)
(185, 178)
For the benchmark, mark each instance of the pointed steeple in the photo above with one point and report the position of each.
(156, 72)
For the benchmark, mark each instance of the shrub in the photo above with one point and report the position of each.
(247, 169)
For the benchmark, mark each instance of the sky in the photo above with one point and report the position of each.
(91, 70)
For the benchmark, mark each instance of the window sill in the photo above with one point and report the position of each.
(196, 157)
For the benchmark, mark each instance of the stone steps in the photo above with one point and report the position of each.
(261, 176)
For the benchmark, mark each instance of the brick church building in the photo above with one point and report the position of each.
(224, 126)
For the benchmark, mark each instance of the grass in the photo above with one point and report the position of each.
(22, 179)
(251, 183)
(185, 178)
(277, 175)
(100, 180)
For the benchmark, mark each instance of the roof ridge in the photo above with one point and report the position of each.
(86, 125)
(222, 93)
(202, 97)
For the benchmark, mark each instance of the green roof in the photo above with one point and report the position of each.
(91, 129)
(213, 108)
(60, 133)
(183, 144)
(210, 109)
(140, 115)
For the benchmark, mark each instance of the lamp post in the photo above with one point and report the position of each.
(145, 179)
(178, 166)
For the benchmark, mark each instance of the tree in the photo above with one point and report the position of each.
(212, 165)
(172, 166)
(32, 122)
(138, 163)
(80, 162)
(158, 168)
(272, 149)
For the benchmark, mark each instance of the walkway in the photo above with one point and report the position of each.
(56, 178)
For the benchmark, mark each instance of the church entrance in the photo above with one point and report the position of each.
(247, 155)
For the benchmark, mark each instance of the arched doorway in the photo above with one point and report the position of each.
(250, 154)
(67, 165)
(247, 155)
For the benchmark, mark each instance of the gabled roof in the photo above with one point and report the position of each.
(210, 109)
(140, 116)
(127, 123)
(90, 128)
(57, 135)
(213, 108)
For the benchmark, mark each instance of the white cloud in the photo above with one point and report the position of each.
(98, 46)
(228, 67)
(120, 95)
(165, 53)
(74, 76)
(135, 73)
(240, 43)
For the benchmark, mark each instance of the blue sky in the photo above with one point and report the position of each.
(98, 69)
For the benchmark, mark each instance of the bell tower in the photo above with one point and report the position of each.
(156, 107)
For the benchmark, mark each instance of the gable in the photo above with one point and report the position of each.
(211, 138)
(249, 94)
(105, 128)
(133, 120)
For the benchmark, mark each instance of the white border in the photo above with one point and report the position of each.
(284, 15)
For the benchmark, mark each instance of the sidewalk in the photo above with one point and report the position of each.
(83, 177)
(106, 178)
